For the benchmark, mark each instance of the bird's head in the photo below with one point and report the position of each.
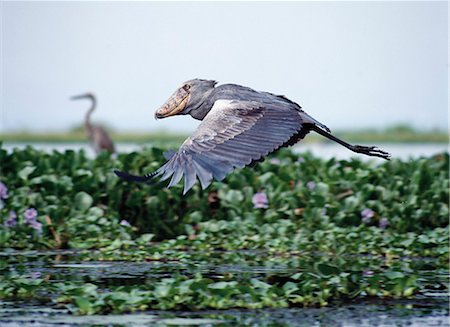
(188, 96)
(87, 95)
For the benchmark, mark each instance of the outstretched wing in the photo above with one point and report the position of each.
(232, 135)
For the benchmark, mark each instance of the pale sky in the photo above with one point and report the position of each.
(348, 64)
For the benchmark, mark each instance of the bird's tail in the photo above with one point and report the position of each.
(147, 177)
(310, 120)
(135, 178)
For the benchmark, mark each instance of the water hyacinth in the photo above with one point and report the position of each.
(3, 191)
(3, 194)
(275, 161)
(367, 215)
(12, 220)
(123, 222)
(368, 273)
(30, 215)
(311, 185)
(383, 223)
(260, 200)
(30, 219)
(36, 275)
(36, 226)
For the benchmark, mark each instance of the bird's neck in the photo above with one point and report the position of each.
(204, 105)
(221, 92)
(87, 118)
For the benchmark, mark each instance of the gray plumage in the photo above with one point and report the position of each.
(239, 126)
(97, 136)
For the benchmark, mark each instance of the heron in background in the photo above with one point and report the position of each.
(239, 127)
(97, 135)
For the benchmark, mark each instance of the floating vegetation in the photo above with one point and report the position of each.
(294, 231)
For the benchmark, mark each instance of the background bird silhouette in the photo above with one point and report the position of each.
(97, 135)
(239, 127)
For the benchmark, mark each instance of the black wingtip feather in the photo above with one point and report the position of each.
(134, 178)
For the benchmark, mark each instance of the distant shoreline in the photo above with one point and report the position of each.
(389, 135)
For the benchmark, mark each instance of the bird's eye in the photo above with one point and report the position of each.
(186, 87)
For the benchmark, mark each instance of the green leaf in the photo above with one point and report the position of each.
(222, 285)
(233, 196)
(145, 238)
(259, 284)
(290, 287)
(297, 276)
(83, 304)
(394, 274)
(327, 270)
(83, 201)
(25, 172)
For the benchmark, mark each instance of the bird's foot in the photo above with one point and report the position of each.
(372, 151)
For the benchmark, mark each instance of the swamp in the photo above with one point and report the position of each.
(297, 240)
(293, 105)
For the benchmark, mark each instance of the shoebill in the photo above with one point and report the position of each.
(239, 127)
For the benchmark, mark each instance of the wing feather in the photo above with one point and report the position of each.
(232, 135)
(176, 177)
(189, 175)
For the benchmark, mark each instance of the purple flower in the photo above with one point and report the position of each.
(3, 191)
(35, 275)
(30, 219)
(310, 185)
(275, 161)
(12, 220)
(260, 200)
(368, 273)
(30, 215)
(123, 222)
(367, 215)
(36, 225)
(384, 222)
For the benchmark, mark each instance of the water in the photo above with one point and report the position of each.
(326, 150)
(428, 309)
(381, 314)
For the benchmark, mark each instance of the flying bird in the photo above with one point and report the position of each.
(98, 137)
(240, 126)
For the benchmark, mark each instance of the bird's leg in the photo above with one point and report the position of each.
(367, 150)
